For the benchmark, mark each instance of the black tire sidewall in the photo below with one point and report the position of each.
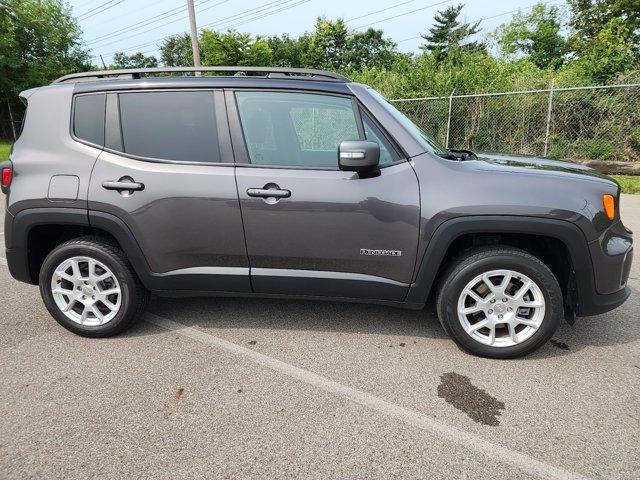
(536, 271)
(122, 274)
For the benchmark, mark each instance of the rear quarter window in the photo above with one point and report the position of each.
(88, 118)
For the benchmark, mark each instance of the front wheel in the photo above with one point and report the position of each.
(89, 287)
(499, 302)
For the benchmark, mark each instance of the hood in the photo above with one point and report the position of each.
(542, 166)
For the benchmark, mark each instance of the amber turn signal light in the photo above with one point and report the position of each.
(609, 204)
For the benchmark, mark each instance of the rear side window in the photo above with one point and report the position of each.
(170, 125)
(88, 118)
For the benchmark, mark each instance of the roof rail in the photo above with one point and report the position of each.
(280, 72)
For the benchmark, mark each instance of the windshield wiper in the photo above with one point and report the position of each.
(448, 155)
(461, 155)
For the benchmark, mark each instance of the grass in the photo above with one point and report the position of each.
(629, 183)
(4, 150)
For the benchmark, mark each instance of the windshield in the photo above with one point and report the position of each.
(432, 143)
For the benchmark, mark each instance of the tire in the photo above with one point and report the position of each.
(109, 313)
(510, 339)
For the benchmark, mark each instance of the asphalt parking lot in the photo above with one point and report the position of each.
(228, 388)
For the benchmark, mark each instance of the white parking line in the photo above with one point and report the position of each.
(411, 417)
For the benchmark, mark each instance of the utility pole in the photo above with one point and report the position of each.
(194, 35)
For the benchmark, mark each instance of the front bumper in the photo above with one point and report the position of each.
(611, 258)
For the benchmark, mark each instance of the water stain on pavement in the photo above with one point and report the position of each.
(177, 396)
(559, 344)
(457, 390)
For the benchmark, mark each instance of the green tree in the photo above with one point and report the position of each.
(176, 51)
(39, 41)
(137, 60)
(328, 44)
(233, 48)
(605, 37)
(608, 53)
(590, 17)
(536, 35)
(449, 33)
(368, 48)
(287, 51)
(333, 46)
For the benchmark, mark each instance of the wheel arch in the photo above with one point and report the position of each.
(35, 232)
(528, 233)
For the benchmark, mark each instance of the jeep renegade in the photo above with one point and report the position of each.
(296, 183)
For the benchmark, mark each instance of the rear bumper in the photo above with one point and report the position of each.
(18, 264)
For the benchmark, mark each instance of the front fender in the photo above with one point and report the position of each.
(589, 301)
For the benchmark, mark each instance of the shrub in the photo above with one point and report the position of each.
(595, 149)
(634, 138)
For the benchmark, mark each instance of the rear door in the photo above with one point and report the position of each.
(323, 232)
(172, 147)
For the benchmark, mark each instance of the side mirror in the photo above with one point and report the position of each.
(358, 156)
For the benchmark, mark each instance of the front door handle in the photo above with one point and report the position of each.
(268, 192)
(122, 185)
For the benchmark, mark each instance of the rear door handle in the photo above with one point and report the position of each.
(267, 192)
(120, 185)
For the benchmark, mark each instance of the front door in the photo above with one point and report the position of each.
(182, 207)
(310, 228)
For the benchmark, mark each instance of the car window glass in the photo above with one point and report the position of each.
(371, 131)
(88, 118)
(295, 129)
(170, 125)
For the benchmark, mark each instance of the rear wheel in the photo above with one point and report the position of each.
(89, 287)
(499, 302)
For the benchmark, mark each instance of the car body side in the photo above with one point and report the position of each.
(554, 212)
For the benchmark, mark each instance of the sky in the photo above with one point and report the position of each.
(110, 26)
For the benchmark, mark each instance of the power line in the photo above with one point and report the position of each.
(379, 11)
(92, 13)
(405, 13)
(268, 14)
(249, 12)
(490, 17)
(143, 23)
(237, 16)
(159, 26)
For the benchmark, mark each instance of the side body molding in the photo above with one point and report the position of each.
(589, 302)
(204, 279)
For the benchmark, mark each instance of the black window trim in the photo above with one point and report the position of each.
(72, 132)
(240, 143)
(224, 144)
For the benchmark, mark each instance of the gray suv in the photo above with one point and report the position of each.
(301, 184)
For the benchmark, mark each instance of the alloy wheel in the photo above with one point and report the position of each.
(86, 291)
(501, 308)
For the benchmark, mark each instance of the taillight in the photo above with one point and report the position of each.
(7, 175)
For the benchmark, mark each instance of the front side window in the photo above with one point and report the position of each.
(88, 118)
(388, 154)
(300, 130)
(170, 125)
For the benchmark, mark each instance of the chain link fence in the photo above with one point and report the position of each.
(583, 123)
